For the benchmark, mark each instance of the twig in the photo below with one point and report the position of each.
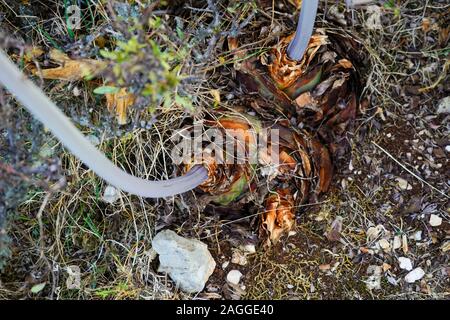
(439, 80)
(42, 241)
(409, 171)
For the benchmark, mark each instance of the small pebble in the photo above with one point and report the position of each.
(397, 243)
(385, 245)
(405, 263)
(250, 248)
(234, 276)
(418, 235)
(239, 258)
(403, 184)
(110, 195)
(435, 221)
(414, 275)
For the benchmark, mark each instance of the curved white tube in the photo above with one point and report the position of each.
(48, 113)
(305, 28)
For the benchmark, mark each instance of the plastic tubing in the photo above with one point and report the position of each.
(305, 26)
(36, 102)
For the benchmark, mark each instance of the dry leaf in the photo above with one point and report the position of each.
(386, 266)
(296, 3)
(278, 218)
(305, 99)
(216, 95)
(346, 64)
(119, 103)
(426, 25)
(334, 233)
(70, 69)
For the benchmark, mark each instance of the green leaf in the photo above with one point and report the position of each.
(38, 287)
(106, 89)
(389, 4)
(108, 54)
(236, 190)
(304, 84)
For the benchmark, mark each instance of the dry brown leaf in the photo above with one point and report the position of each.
(278, 218)
(334, 232)
(119, 103)
(305, 99)
(70, 69)
(296, 3)
(346, 64)
(426, 25)
(233, 45)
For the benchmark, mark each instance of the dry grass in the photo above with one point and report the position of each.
(111, 244)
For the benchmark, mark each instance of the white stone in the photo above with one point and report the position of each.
(110, 195)
(414, 275)
(373, 22)
(373, 232)
(392, 280)
(385, 245)
(405, 263)
(234, 276)
(403, 184)
(435, 221)
(373, 282)
(239, 258)
(418, 235)
(447, 148)
(444, 106)
(187, 261)
(397, 243)
(250, 248)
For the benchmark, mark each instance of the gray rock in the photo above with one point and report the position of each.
(187, 261)
(444, 106)
(111, 195)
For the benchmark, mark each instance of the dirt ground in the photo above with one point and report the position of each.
(383, 195)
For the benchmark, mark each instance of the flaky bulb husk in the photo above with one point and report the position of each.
(284, 71)
(278, 218)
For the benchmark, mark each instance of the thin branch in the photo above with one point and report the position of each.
(409, 171)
